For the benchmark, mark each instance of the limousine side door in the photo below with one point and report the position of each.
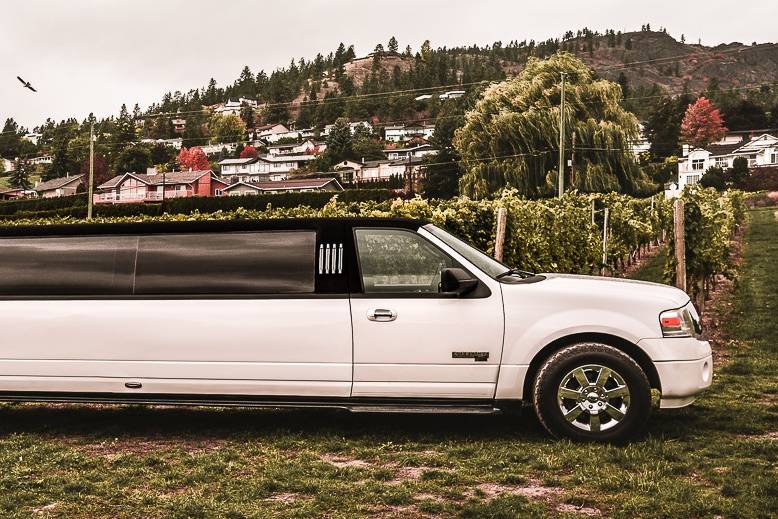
(409, 339)
(218, 313)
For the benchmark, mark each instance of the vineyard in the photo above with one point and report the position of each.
(578, 233)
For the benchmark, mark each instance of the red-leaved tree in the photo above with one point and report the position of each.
(249, 152)
(193, 158)
(702, 124)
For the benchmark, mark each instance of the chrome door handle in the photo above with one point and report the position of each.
(381, 314)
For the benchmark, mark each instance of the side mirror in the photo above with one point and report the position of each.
(457, 281)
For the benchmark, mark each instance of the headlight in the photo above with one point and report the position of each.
(681, 322)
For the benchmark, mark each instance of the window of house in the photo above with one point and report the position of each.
(218, 192)
(399, 261)
(692, 179)
(698, 164)
(267, 262)
(774, 158)
(67, 265)
(722, 162)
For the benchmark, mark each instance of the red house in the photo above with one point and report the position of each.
(155, 187)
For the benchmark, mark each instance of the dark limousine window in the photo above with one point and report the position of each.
(172, 264)
(229, 263)
(76, 265)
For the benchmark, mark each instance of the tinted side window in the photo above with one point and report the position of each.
(399, 261)
(67, 265)
(226, 263)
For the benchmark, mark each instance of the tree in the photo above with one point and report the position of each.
(247, 114)
(101, 174)
(248, 152)
(442, 171)
(713, 177)
(227, 128)
(702, 124)
(20, 176)
(663, 127)
(393, 45)
(133, 159)
(193, 159)
(60, 166)
(738, 173)
(511, 137)
(746, 115)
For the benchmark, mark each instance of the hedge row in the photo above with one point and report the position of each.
(75, 206)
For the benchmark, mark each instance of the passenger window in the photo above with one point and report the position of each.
(67, 266)
(399, 261)
(226, 263)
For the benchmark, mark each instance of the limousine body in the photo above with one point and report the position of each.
(365, 314)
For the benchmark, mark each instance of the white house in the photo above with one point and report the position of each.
(213, 149)
(264, 167)
(452, 94)
(397, 133)
(352, 126)
(414, 151)
(233, 107)
(32, 137)
(43, 159)
(267, 132)
(308, 146)
(171, 143)
(242, 188)
(304, 133)
(760, 151)
(378, 170)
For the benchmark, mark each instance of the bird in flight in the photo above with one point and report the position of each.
(26, 84)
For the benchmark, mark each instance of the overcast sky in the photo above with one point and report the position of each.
(92, 55)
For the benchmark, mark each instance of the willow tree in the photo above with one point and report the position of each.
(511, 137)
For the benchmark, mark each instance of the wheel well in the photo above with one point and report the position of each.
(624, 345)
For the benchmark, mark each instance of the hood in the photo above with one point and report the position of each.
(599, 287)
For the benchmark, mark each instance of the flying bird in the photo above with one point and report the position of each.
(26, 84)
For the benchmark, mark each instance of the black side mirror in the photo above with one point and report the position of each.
(457, 281)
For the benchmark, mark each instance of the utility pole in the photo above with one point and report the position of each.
(572, 160)
(562, 139)
(91, 170)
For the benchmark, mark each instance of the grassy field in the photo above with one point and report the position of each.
(716, 458)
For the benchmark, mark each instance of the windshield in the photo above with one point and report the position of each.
(487, 264)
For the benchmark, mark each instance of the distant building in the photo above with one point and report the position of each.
(56, 187)
(379, 170)
(234, 107)
(413, 151)
(43, 159)
(171, 143)
(14, 193)
(352, 126)
(308, 146)
(179, 125)
(760, 151)
(213, 149)
(397, 133)
(32, 137)
(284, 186)
(452, 94)
(267, 132)
(155, 187)
(272, 167)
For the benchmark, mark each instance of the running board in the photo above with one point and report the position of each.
(425, 409)
(399, 406)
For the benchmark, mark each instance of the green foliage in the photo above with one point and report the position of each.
(227, 128)
(714, 177)
(710, 222)
(738, 174)
(20, 176)
(511, 137)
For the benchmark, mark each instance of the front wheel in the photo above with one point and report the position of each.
(592, 392)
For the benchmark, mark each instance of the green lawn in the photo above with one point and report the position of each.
(716, 458)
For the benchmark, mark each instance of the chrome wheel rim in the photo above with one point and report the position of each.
(593, 398)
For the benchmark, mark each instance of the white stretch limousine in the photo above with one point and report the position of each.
(364, 314)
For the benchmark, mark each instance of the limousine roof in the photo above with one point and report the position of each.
(205, 226)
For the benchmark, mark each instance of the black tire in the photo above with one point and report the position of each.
(592, 359)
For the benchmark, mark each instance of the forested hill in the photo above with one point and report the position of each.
(646, 62)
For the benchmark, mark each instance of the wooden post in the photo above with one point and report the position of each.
(499, 239)
(605, 241)
(592, 211)
(680, 244)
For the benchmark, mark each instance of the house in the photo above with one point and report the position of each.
(761, 151)
(43, 159)
(397, 133)
(452, 94)
(298, 135)
(423, 97)
(179, 125)
(285, 186)
(267, 131)
(415, 151)
(352, 126)
(32, 137)
(273, 167)
(7, 165)
(234, 107)
(170, 143)
(379, 170)
(56, 187)
(213, 149)
(14, 193)
(308, 146)
(155, 187)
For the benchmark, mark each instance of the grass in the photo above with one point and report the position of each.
(653, 270)
(716, 458)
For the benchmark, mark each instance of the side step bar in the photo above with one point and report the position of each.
(404, 406)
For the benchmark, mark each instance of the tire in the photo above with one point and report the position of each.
(611, 404)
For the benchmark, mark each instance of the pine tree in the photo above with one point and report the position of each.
(393, 46)
(20, 177)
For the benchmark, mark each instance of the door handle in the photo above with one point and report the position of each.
(381, 315)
